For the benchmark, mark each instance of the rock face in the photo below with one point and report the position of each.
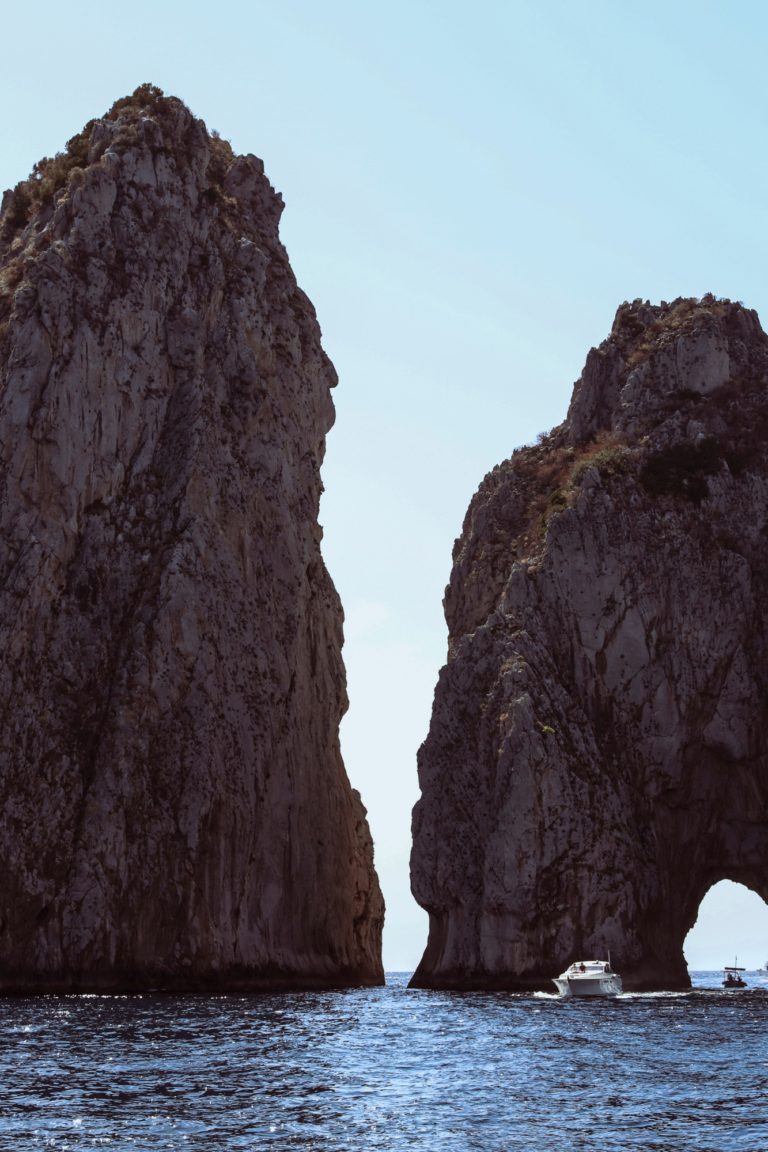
(174, 811)
(597, 757)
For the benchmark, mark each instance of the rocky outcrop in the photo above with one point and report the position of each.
(174, 810)
(597, 756)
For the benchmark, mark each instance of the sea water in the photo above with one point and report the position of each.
(389, 1069)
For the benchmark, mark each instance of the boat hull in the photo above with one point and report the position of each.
(589, 986)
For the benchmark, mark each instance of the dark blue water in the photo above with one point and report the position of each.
(388, 1069)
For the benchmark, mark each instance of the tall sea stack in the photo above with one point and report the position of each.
(598, 752)
(174, 811)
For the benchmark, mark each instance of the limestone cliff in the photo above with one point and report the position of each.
(174, 811)
(597, 753)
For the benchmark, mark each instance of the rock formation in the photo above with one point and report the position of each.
(174, 811)
(596, 759)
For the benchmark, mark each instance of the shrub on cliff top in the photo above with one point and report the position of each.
(683, 315)
(51, 174)
(145, 97)
(48, 176)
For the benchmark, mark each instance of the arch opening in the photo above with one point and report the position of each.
(732, 923)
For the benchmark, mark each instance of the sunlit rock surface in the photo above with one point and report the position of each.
(174, 811)
(597, 753)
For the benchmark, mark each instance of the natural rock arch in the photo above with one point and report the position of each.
(731, 924)
(597, 753)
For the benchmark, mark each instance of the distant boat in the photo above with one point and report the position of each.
(589, 978)
(763, 967)
(732, 977)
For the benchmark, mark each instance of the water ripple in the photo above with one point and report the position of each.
(387, 1069)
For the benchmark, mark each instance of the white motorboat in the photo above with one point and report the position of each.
(589, 978)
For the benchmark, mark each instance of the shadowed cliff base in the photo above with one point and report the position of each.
(206, 982)
(174, 809)
(596, 759)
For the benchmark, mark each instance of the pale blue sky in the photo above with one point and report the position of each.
(470, 192)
